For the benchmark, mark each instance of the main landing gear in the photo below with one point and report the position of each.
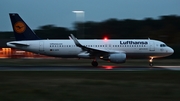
(151, 62)
(94, 63)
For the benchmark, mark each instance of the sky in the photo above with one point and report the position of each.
(37, 13)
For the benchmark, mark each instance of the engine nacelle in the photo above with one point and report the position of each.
(84, 55)
(117, 57)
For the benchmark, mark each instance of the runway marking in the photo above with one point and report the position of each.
(177, 68)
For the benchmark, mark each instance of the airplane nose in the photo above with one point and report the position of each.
(171, 51)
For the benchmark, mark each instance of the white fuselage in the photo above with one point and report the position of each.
(133, 48)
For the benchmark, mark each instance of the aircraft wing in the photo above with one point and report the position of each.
(93, 51)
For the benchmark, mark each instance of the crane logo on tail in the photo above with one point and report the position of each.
(19, 27)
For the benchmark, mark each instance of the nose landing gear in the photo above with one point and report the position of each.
(151, 62)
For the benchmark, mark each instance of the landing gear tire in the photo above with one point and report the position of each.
(94, 63)
(150, 64)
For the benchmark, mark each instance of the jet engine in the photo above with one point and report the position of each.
(117, 57)
(84, 55)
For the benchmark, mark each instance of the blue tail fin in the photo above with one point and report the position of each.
(21, 29)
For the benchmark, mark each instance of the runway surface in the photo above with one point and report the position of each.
(87, 68)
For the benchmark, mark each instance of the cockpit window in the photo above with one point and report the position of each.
(163, 45)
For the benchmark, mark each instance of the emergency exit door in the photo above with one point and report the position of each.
(41, 46)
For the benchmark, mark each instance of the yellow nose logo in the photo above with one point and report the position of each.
(19, 27)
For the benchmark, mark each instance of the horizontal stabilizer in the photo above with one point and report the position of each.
(18, 44)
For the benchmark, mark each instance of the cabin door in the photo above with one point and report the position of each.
(151, 46)
(41, 46)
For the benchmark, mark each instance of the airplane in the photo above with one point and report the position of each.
(114, 50)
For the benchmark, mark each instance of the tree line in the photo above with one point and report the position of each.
(166, 29)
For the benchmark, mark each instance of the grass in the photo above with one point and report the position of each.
(90, 86)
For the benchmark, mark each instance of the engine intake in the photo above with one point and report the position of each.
(117, 57)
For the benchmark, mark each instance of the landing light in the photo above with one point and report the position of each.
(151, 60)
(101, 57)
